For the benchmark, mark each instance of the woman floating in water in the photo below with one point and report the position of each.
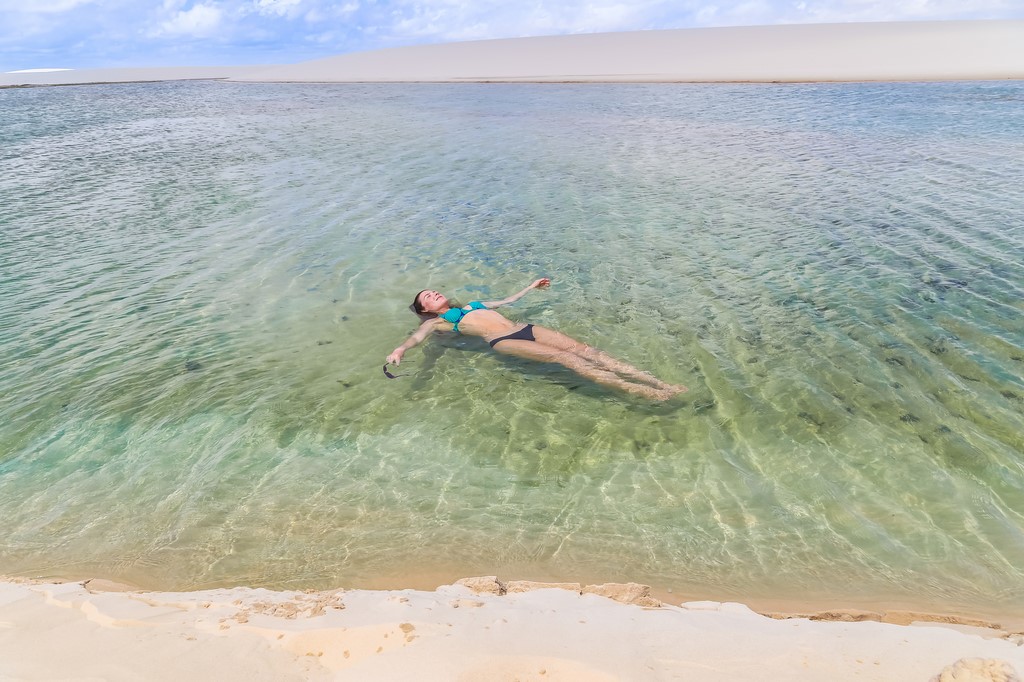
(529, 341)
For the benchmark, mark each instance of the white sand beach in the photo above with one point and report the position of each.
(481, 629)
(128, 75)
(894, 51)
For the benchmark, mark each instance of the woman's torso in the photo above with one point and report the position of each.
(486, 323)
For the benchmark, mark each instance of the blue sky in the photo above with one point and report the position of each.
(112, 33)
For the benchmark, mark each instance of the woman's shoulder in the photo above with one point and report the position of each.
(434, 322)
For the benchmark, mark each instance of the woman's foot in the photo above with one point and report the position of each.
(672, 391)
(657, 394)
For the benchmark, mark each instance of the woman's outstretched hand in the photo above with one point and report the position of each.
(396, 357)
(542, 283)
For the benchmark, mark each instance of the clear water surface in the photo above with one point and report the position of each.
(200, 281)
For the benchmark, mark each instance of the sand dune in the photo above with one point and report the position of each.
(955, 50)
(900, 51)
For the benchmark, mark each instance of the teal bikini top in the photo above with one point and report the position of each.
(455, 315)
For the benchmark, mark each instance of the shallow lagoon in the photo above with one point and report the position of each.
(201, 281)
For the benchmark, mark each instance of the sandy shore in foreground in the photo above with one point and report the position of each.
(895, 51)
(480, 629)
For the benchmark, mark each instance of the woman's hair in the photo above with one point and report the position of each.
(422, 314)
(417, 308)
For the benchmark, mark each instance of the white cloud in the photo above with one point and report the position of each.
(199, 21)
(441, 20)
(607, 17)
(706, 15)
(330, 11)
(280, 8)
(41, 6)
(826, 11)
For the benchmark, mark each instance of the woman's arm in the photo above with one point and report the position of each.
(542, 283)
(417, 338)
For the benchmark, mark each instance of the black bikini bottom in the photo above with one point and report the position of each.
(525, 334)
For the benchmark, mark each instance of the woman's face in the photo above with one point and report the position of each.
(432, 301)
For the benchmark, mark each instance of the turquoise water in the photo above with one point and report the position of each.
(200, 282)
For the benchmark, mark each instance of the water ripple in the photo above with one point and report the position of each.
(200, 281)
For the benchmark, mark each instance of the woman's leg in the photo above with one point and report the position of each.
(560, 341)
(539, 352)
